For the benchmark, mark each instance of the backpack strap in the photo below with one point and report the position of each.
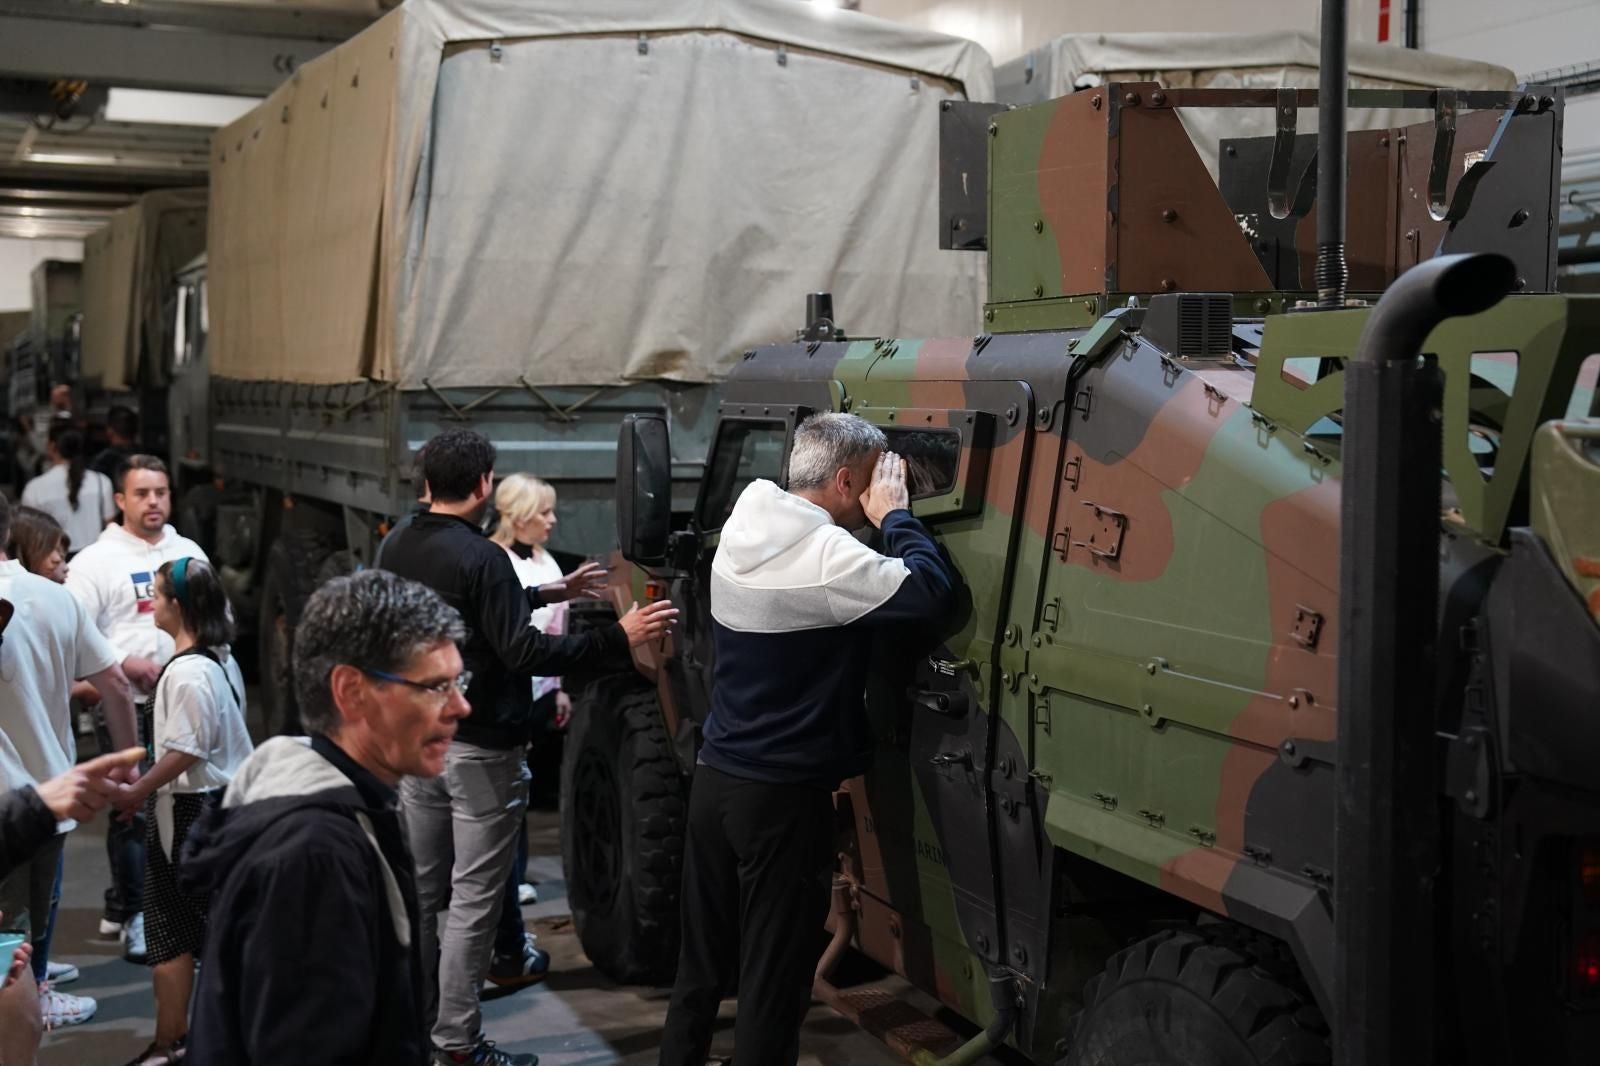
(209, 654)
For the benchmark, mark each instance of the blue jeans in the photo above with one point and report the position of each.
(41, 943)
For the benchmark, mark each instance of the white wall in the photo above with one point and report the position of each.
(17, 260)
(1529, 36)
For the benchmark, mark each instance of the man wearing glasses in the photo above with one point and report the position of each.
(463, 823)
(313, 949)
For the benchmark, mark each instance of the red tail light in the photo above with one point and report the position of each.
(1587, 966)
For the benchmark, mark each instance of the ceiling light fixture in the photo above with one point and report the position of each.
(174, 108)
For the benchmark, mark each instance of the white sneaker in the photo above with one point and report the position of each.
(133, 948)
(60, 1009)
(108, 928)
(61, 973)
(527, 894)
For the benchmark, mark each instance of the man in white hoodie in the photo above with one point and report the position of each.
(114, 579)
(795, 600)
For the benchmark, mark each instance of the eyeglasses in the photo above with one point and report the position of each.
(439, 689)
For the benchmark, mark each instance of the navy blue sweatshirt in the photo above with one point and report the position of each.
(794, 598)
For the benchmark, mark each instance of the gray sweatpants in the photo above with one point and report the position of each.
(463, 830)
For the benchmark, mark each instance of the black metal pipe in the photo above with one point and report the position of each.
(1413, 23)
(1332, 272)
(1585, 253)
(1427, 294)
(1386, 821)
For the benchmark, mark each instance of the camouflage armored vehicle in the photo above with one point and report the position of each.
(1257, 739)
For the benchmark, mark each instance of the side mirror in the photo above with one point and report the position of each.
(644, 488)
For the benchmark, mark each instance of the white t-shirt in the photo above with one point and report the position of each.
(96, 506)
(50, 641)
(551, 619)
(196, 714)
(114, 578)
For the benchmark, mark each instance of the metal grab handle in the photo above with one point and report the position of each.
(950, 667)
(952, 758)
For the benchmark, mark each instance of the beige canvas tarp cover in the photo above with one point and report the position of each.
(127, 264)
(476, 194)
(1236, 61)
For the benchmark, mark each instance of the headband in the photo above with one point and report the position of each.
(180, 580)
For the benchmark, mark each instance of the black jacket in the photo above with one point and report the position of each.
(312, 945)
(26, 825)
(474, 575)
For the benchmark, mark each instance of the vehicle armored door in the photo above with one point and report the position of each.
(925, 817)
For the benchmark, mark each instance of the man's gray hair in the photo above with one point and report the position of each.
(825, 442)
(374, 620)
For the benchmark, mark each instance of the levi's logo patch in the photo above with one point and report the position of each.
(144, 590)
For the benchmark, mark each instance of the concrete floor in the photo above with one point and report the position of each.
(576, 1016)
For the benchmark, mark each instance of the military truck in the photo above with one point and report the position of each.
(1233, 652)
(38, 347)
(128, 265)
(533, 221)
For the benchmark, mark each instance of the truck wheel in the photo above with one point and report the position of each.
(293, 562)
(1210, 996)
(196, 517)
(339, 564)
(623, 805)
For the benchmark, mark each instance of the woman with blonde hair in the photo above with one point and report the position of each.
(526, 507)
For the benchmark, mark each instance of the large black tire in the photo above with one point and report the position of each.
(341, 563)
(293, 562)
(1210, 996)
(196, 517)
(623, 806)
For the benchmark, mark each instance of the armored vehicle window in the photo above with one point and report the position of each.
(745, 450)
(932, 457)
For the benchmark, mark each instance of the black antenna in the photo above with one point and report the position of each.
(1333, 274)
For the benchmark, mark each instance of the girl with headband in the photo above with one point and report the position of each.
(199, 740)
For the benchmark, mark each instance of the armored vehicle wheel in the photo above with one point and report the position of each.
(623, 806)
(1213, 996)
(293, 563)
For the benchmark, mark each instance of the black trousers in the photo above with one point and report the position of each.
(757, 868)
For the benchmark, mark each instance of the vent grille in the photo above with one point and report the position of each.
(1191, 325)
